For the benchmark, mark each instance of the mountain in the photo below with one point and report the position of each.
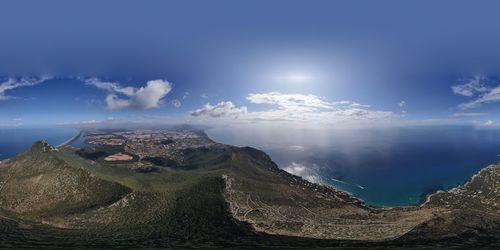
(215, 195)
(471, 213)
(38, 183)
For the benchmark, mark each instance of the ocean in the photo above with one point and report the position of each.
(384, 167)
(16, 140)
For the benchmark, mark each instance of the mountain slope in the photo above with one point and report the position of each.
(41, 186)
(472, 215)
(276, 202)
(228, 196)
(38, 183)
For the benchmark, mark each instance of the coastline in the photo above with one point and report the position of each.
(457, 188)
(428, 195)
(425, 196)
(423, 202)
(71, 140)
(445, 172)
(17, 140)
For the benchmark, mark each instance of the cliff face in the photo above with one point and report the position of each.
(242, 198)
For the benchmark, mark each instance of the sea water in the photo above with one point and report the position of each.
(384, 167)
(16, 140)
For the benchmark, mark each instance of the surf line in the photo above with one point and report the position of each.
(347, 183)
(73, 139)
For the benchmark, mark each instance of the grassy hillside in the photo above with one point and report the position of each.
(38, 184)
(226, 197)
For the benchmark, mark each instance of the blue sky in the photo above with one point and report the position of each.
(322, 62)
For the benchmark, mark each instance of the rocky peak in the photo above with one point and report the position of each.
(42, 146)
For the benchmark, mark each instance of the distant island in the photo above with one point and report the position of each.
(178, 188)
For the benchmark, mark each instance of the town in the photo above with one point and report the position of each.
(167, 144)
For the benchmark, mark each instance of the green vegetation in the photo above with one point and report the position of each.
(219, 197)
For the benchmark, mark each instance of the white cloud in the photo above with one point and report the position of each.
(477, 87)
(301, 109)
(146, 97)
(13, 83)
(301, 102)
(296, 102)
(489, 123)
(311, 108)
(220, 110)
(90, 122)
(186, 94)
(469, 114)
(471, 86)
(111, 86)
(176, 103)
(204, 96)
(296, 148)
(492, 95)
(402, 105)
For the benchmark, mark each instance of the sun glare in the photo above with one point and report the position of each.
(295, 78)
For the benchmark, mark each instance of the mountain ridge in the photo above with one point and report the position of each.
(232, 199)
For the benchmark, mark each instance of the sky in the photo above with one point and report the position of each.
(300, 63)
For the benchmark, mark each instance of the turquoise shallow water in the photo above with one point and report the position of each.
(390, 167)
(15, 140)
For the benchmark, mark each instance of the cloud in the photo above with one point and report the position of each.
(204, 96)
(13, 83)
(492, 95)
(402, 105)
(489, 123)
(471, 86)
(186, 94)
(111, 86)
(296, 148)
(311, 108)
(300, 109)
(176, 103)
(478, 89)
(219, 110)
(301, 102)
(146, 97)
(90, 122)
(298, 102)
(469, 114)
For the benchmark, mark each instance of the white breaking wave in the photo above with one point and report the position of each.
(349, 184)
(303, 171)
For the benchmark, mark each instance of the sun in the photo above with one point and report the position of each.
(296, 77)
